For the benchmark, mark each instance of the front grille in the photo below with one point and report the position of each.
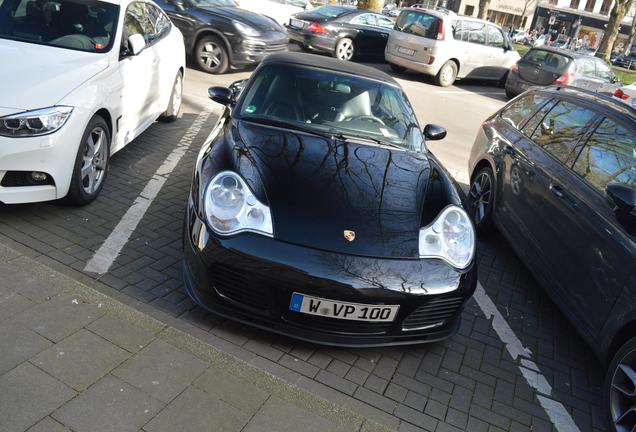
(235, 284)
(434, 313)
(23, 178)
(334, 325)
(258, 48)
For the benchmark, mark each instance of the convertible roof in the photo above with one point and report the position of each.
(329, 63)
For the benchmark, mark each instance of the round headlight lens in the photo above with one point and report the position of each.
(226, 198)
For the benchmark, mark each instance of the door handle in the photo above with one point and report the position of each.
(557, 190)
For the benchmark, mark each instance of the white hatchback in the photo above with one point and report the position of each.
(81, 79)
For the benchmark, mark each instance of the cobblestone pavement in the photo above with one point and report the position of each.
(469, 382)
(74, 360)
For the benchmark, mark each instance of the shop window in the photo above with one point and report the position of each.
(589, 6)
(605, 7)
(574, 4)
(469, 10)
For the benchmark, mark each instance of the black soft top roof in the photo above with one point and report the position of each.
(328, 63)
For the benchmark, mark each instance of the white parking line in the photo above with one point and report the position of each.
(559, 416)
(111, 248)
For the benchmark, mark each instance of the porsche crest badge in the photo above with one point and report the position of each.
(349, 235)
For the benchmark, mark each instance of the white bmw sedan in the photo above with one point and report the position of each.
(80, 80)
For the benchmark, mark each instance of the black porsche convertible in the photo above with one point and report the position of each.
(316, 210)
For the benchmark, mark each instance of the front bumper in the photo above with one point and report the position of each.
(247, 51)
(250, 278)
(53, 154)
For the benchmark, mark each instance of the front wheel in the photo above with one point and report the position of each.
(344, 49)
(481, 196)
(173, 111)
(620, 388)
(447, 74)
(212, 56)
(91, 163)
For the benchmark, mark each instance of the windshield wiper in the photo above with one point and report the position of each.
(349, 136)
(286, 125)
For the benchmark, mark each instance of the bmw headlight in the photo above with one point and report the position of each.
(231, 207)
(246, 29)
(34, 123)
(450, 237)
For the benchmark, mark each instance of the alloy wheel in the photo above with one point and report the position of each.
(344, 50)
(480, 194)
(177, 94)
(94, 161)
(623, 394)
(446, 75)
(211, 55)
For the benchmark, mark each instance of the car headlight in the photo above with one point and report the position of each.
(34, 123)
(246, 29)
(231, 207)
(450, 237)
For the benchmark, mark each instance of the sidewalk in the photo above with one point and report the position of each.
(74, 359)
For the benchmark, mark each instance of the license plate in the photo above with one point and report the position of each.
(342, 310)
(296, 23)
(407, 51)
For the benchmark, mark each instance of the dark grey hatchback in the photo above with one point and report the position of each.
(546, 66)
(555, 172)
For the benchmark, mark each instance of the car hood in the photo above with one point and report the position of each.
(37, 76)
(317, 188)
(258, 21)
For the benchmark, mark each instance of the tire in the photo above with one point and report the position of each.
(344, 50)
(481, 197)
(502, 81)
(396, 68)
(211, 55)
(173, 112)
(447, 74)
(624, 359)
(510, 94)
(91, 164)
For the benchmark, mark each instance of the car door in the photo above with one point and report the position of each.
(138, 77)
(368, 34)
(567, 233)
(474, 33)
(181, 17)
(495, 62)
(602, 268)
(164, 50)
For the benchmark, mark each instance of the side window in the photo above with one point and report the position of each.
(561, 129)
(457, 30)
(517, 113)
(603, 71)
(495, 37)
(385, 22)
(609, 156)
(532, 124)
(476, 32)
(159, 19)
(137, 21)
(587, 68)
(364, 19)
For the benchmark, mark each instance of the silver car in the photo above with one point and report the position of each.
(447, 46)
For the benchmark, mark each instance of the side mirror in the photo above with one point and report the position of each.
(136, 44)
(434, 132)
(622, 196)
(179, 5)
(237, 87)
(221, 95)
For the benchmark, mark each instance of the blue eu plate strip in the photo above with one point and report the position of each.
(296, 302)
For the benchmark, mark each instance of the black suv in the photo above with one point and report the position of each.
(219, 35)
(555, 172)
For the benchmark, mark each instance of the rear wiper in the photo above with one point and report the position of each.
(285, 125)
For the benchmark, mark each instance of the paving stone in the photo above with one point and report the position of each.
(110, 405)
(81, 359)
(195, 410)
(47, 424)
(235, 391)
(357, 375)
(374, 399)
(280, 416)
(12, 304)
(416, 417)
(436, 409)
(59, 317)
(415, 400)
(161, 370)
(121, 333)
(18, 345)
(29, 394)
(376, 384)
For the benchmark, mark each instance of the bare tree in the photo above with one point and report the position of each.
(527, 4)
(619, 10)
(484, 5)
(632, 31)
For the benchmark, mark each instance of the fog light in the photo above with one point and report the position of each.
(39, 176)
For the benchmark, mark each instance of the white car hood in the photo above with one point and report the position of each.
(38, 76)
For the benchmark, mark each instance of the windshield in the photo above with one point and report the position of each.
(204, 3)
(331, 11)
(332, 103)
(418, 23)
(83, 25)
